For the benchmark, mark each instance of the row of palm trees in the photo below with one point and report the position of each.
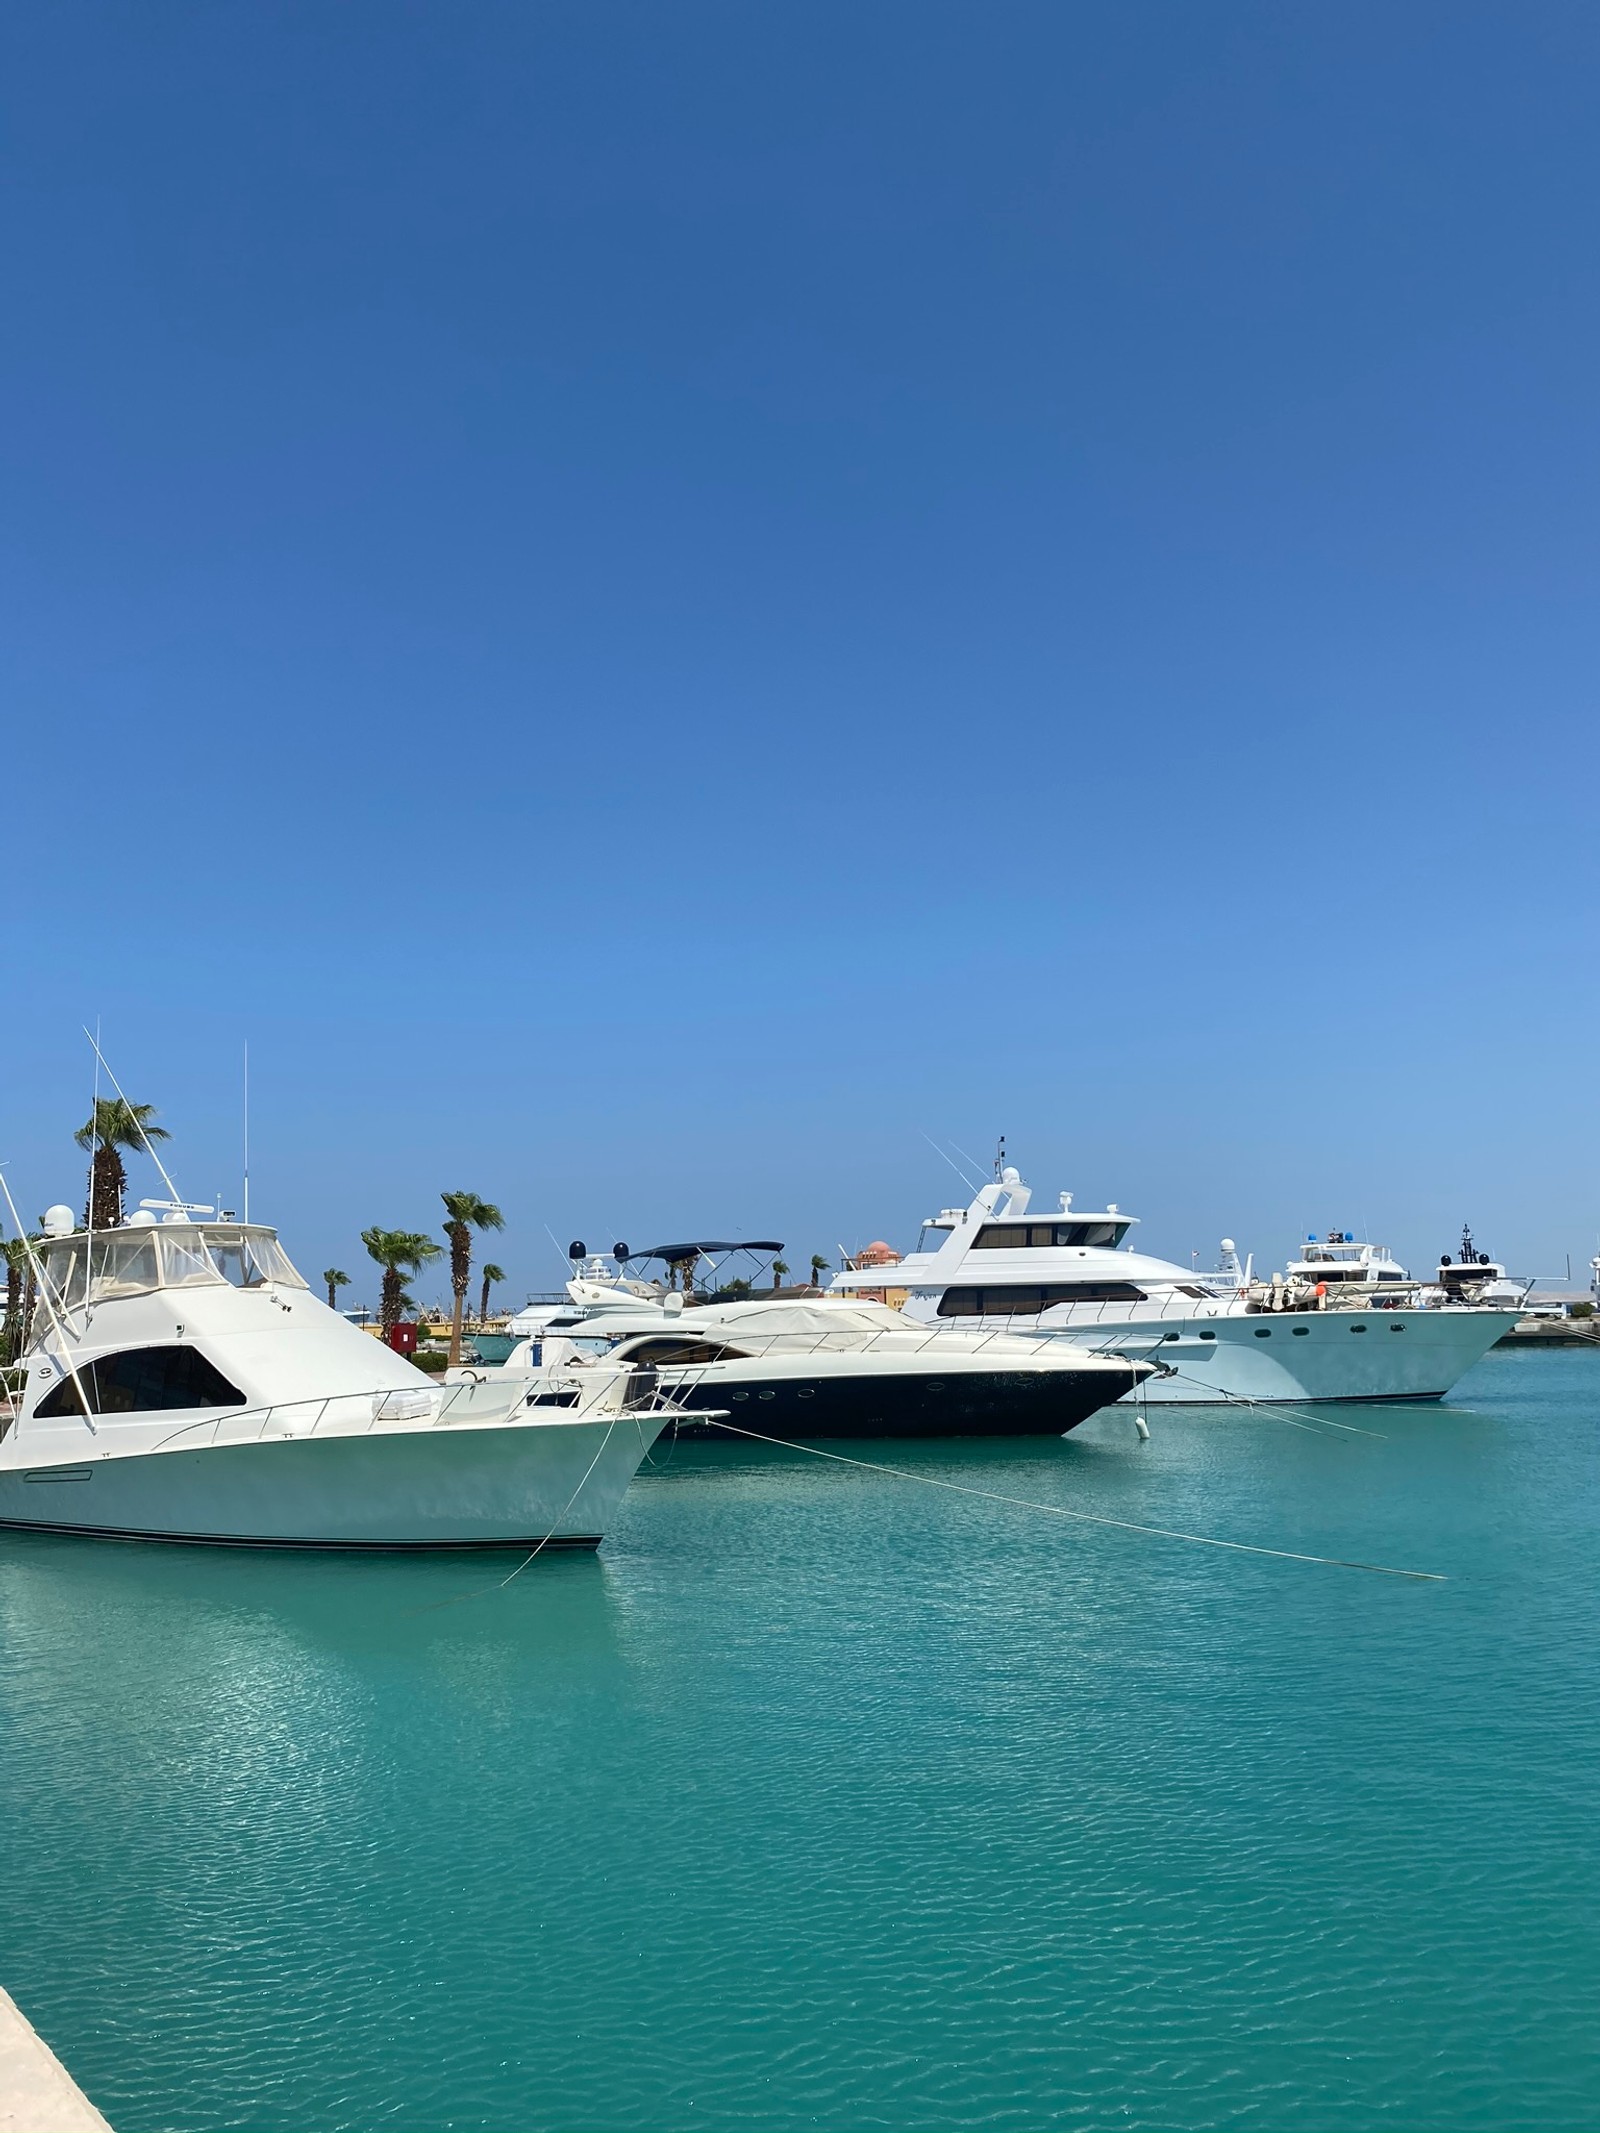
(403, 1252)
(117, 1125)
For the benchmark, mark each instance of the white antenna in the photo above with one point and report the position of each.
(149, 1151)
(94, 1170)
(246, 1201)
(42, 1288)
(950, 1159)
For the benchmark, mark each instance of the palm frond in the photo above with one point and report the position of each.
(118, 1124)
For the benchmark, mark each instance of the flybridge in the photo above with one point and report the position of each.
(174, 1254)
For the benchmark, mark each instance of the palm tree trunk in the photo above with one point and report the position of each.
(483, 1307)
(108, 1185)
(389, 1300)
(458, 1305)
(11, 1333)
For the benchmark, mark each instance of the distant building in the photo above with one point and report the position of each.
(880, 1254)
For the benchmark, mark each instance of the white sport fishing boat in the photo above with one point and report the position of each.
(829, 1367)
(1070, 1273)
(184, 1384)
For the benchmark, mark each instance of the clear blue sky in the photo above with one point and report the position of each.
(655, 600)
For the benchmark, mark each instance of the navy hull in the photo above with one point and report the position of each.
(997, 1403)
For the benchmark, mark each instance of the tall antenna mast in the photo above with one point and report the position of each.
(94, 1167)
(1000, 1157)
(246, 1201)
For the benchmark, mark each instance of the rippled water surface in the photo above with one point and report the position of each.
(825, 1799)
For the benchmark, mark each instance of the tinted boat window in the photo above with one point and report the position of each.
(1034, 1236)
(1018, 1299)
(143, 1381)
(679, 1351)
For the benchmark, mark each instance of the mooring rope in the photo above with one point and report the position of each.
(571, 1500)
(478, 1591)
(1316, 1423)
(1091, 1518)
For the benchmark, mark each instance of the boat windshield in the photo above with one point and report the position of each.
(248, 1257)
(133, 1262)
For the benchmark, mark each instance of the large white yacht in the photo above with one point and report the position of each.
(183, 1383)
(829, 1367)
(999, 1263)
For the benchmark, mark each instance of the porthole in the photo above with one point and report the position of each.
(741, 1396)
(1169, 1336)
(936, 1385)
(764, 1395)
(1393, 1328)
(805, 1392)
(1208, 1336)
(1263, 1333)
(1358, 1329)
(1301, 1331)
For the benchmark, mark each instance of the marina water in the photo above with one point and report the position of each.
(825, 1799)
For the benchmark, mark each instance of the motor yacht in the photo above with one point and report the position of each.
(1473, 1277)
(829, 1367)
(1341, 1261)
(183, 1383)
(999, 1263)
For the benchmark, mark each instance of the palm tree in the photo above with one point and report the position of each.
(466, 1213)
(491, 1274)
(779, 1269)
(336, 1280)
(116, 1125)
(819, 1267)
(13, 1327)
(399, 1252)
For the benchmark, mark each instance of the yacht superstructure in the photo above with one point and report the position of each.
(829, 1367)
(1473, 1277)
(1069, 1272)
(1342, 1264)
(183, 1383)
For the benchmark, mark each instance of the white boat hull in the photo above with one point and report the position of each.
(556, 1485)
(1313, 1355)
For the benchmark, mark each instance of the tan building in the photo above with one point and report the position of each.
(880, 1254)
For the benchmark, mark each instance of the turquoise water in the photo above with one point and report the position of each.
(822, 1799)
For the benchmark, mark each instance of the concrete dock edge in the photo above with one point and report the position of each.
(37, 2094)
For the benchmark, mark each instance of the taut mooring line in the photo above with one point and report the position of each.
(1091, 1518)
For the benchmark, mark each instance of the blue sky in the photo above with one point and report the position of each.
(656, 602)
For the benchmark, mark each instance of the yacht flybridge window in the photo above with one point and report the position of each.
(132, 1262)
(1016, 1300)
(142, 1381)
(1030, 1236)
(248, 1257)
